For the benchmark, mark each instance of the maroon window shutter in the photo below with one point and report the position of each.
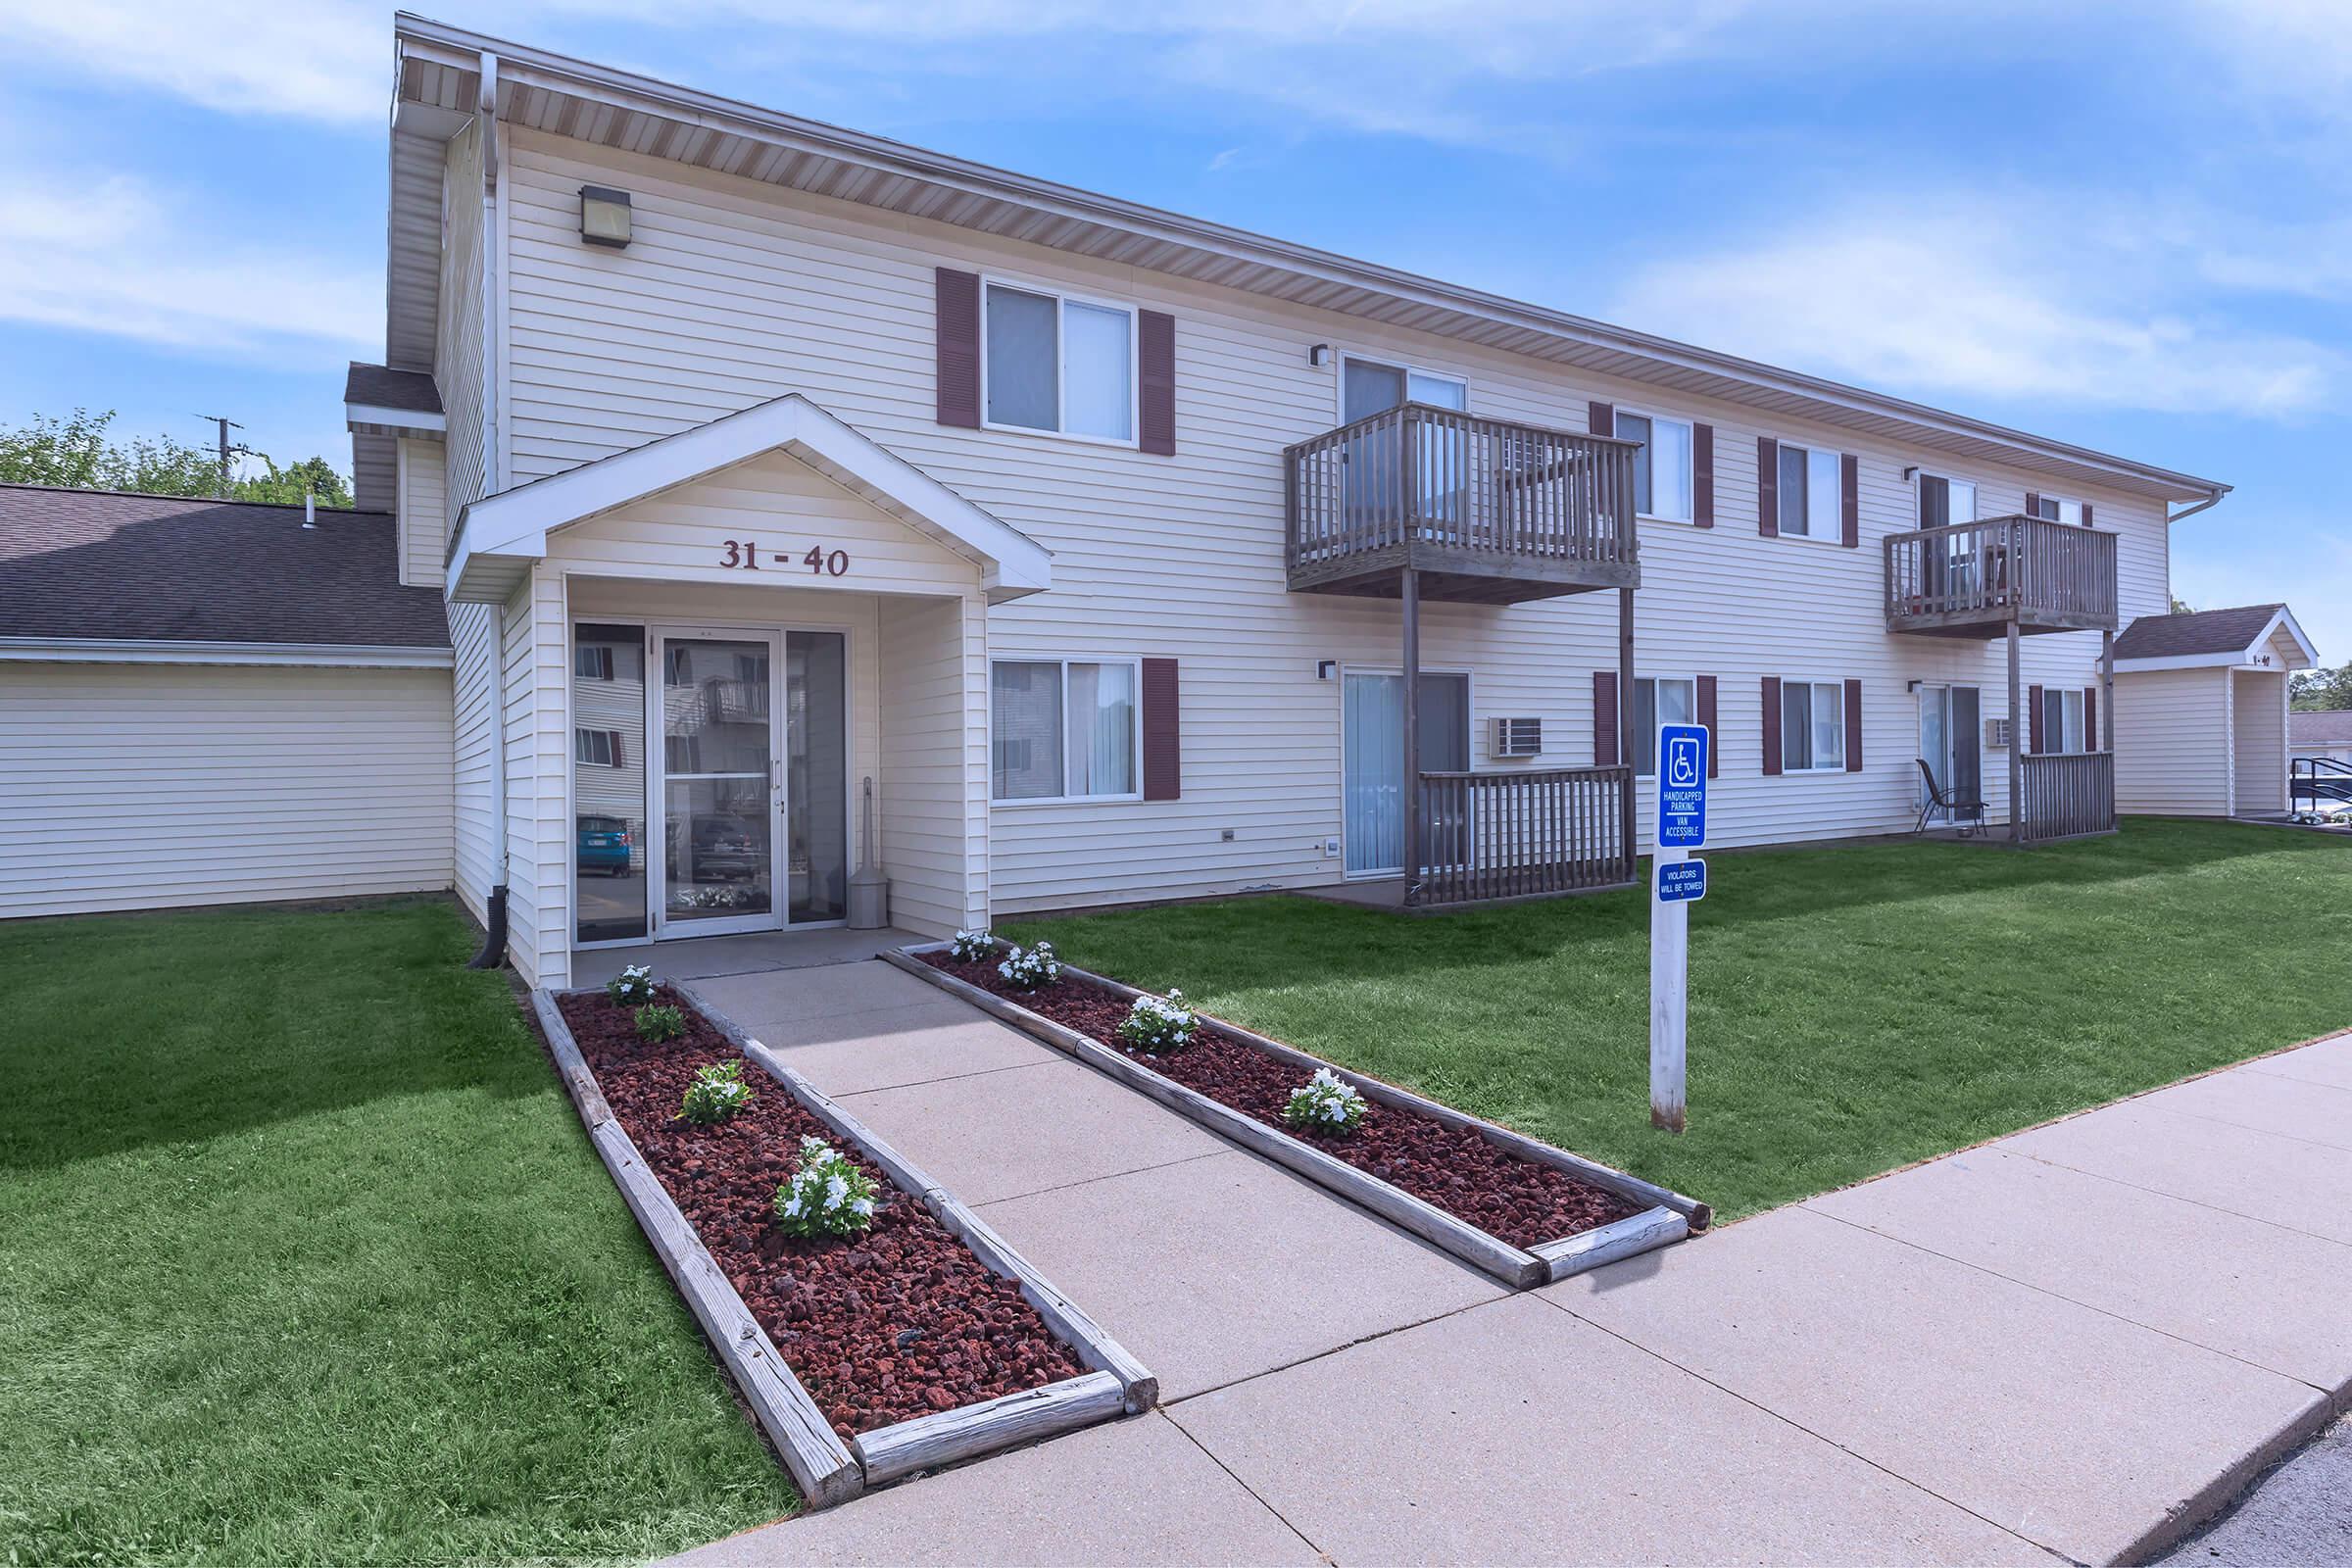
(1706, 716)
(1164, 743)
(1768, 492)
(619, 758)
(1156, 342)
(2032, 503)
(2033, 721)
(1605, 718)
(2085, 514)
(1702, 475)
(2090, 718)
(957, 329)
(1854, 726)
(1772, 723)
(1849, 502)
(1600, 417)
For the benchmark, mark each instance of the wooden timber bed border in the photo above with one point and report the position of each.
(1666, 1217)
(827, 1470)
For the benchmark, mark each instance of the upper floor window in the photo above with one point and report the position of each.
(2053, 509)
(1809, 491)
(1369, 387)
(1943, 501)
(1052, 363)
(598, 748)
(1655, 703)
(592, 661)
(1662, 484)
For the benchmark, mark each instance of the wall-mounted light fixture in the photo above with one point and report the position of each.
(1910, 474)
(1326, 668)
(604, 217)
(1320, 356)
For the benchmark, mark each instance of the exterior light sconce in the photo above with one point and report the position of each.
(1320, 356)
(604, 217)
(1910, 474)
(1326, 668)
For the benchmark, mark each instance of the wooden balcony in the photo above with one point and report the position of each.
(2064, 797)
(1500, 835)
(1977, 579)
(1483, 511)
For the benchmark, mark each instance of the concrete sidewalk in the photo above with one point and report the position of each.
(2068, 1341)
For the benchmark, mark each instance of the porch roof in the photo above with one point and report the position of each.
(2201, 637)
(499, 537)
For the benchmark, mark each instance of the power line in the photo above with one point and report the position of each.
(225, 425)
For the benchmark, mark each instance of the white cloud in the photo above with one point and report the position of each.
(108, 256)
(1955, 295)
(327, 60)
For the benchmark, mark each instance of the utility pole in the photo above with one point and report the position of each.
(225, 425)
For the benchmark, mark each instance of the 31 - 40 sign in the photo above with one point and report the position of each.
(743, 555)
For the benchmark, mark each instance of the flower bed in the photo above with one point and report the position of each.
(1451, 1167)
(901, 1322)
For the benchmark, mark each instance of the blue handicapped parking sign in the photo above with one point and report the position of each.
(1682, 786)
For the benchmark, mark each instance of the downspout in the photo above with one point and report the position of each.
(2213, 500)
(494, 935)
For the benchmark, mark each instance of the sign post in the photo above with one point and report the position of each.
(1677, 881)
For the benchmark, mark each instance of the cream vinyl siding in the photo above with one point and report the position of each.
(423, 514)
(473, 633)
(2258, 739)
(2172, 742)
(733, 292)
(140, 786)
(933, 656)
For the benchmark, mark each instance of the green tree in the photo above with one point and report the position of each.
(74, 453)
(2322, 691)
(2181, 606)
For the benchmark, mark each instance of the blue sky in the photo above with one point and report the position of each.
(2128, 226)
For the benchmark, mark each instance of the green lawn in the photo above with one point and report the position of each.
(1851, 1009)
(307, 1259)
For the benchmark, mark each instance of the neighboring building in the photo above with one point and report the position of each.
(206, 702)
(758, 459)
(2328, 736)
(2201, 708)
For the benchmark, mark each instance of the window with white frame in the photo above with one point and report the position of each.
(1812, 725)
(2053, 508)
(1369, 387)
(1662, 484)
(596, 748)
(1810, 490)
(2062, 719)
(1063, 730)
(1943, 501)
(1668, 700)
(1052, 363)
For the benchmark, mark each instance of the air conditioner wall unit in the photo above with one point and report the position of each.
(1517, 737)
(1997, 734)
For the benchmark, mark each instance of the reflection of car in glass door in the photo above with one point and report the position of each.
(603, 845)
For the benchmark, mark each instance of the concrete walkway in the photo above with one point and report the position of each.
(2070, 1341)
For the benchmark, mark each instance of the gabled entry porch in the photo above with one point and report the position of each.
(741, 666)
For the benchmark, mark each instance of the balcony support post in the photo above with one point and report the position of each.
(2017, 742)
(1410, 588)
(2106, 691)
(1625, 723)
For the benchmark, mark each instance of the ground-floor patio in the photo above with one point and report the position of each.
(1971, 1360)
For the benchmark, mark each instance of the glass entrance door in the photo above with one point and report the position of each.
(719, 786)
(817, 777)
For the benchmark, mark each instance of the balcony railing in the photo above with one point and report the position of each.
(1974, 578)
(1483, 509)
(2064, 797)
(1513, 835)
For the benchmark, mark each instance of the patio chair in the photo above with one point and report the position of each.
(1968, 814)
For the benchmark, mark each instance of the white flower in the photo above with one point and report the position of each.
(863, 1206)
(836, 1191)
(792, 1206)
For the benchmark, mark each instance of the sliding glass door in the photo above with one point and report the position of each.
(1372, 769)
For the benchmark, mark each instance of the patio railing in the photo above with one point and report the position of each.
(1507, 835)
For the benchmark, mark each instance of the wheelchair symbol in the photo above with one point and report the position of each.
(1682, 764)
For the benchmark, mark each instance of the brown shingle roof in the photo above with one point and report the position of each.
(2201, 631)
(380, 388)
(109, 565)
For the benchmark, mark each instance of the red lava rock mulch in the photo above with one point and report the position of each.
(902, 1321)
(1449, 1167)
